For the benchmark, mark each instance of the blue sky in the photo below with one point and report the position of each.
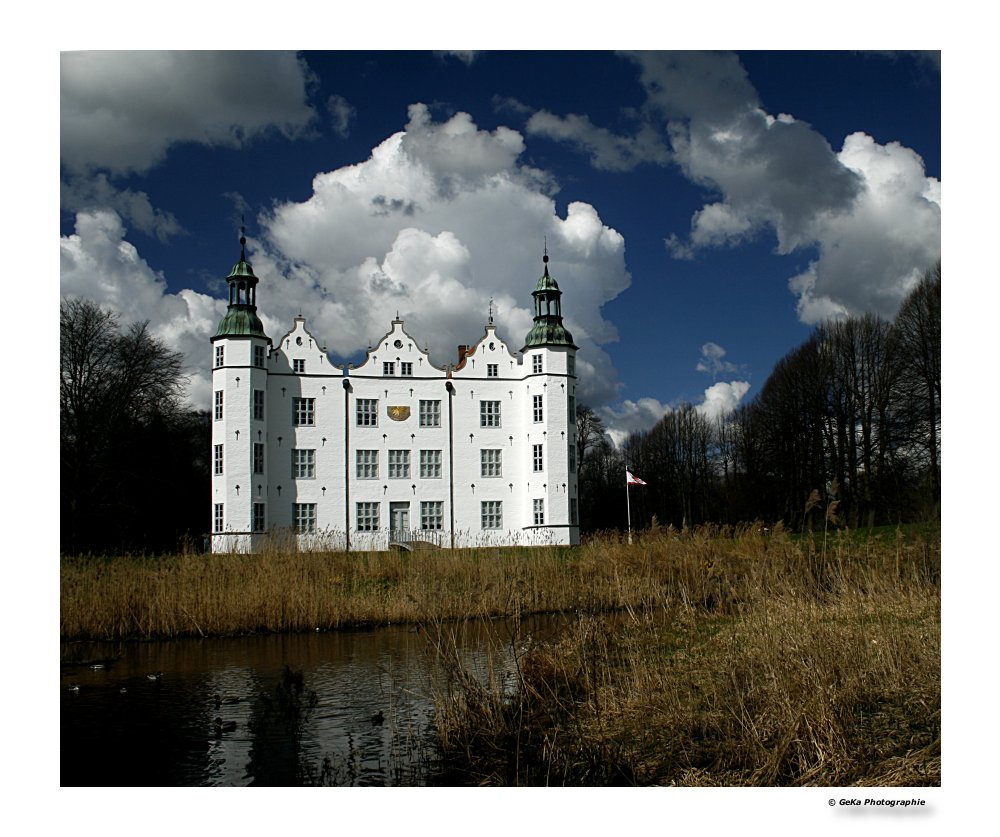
(703, 211)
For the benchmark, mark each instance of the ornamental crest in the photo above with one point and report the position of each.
(398, 413)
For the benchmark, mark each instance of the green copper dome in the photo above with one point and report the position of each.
(241, 318)
(241, 321)
(548, 329)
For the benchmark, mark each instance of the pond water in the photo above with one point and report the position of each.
(333, 708)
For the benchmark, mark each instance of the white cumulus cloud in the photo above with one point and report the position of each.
(97, 263)
(439, 220)
(120, 111)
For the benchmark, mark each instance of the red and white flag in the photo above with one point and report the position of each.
(632, 480)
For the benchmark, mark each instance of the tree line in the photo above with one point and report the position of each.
(133, 460)
(849, 422)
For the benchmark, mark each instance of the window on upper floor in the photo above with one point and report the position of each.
(218, 404)
(220, 356)
(258, 355)
(366, 412)
(389, 368)
(399, 464)
(218, 518)
(539, 510)
(489, 413)
(258, 404)
(367, 465)
(570, 365)
(430, 464)
(304, 412)
(430, 413)
(537, 459)
(217, 457)
(492, 370)
(258, 457)
(298, 366)
(303, 464)
(406, 369)
(491, 462)
(571, 409)
(536, 364)
(536, 408)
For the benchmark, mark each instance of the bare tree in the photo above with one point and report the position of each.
(114, 387)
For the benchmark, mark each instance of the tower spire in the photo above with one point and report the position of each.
(241, 317)
(548, 329)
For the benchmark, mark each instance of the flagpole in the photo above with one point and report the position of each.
(628, 506)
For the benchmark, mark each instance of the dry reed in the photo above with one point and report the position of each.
(765, 664)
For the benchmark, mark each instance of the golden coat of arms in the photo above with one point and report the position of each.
(398, 413)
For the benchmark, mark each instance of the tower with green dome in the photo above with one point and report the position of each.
(550, 368)
(240, 350)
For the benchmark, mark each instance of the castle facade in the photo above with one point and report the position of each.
(394, 451)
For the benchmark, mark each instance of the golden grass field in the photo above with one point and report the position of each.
(735, 656)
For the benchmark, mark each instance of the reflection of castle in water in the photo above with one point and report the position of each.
(394, 450)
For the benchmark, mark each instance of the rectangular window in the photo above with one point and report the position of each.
(305, 517)
(298, 366)
(388, 368)
(258, 355)
(303, 412)
(539, 512)
(303, 464)
(430, 413)
(367, 412)
(406, 370)
(573, 516)
(570, 365)
(258, 404)
(536, 364)
(492, 370)
(491, 463)
(492, 514)
(432, 514)
(367, 465)
(536, 408)
(217, 518)
(537, 463)
(399, 464)
(489, 413)
(367, 517)
(218, 404)
(571, 409)
(430, 464)
(218, 459)
(220, 356)
(258, 457)
(571, 453)
(259, 523)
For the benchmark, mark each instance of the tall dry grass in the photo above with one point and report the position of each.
(754, 661)
(279, 590)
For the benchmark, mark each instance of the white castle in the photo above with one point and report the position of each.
(394, 451)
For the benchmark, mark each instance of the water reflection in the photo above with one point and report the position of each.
(265, 710)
